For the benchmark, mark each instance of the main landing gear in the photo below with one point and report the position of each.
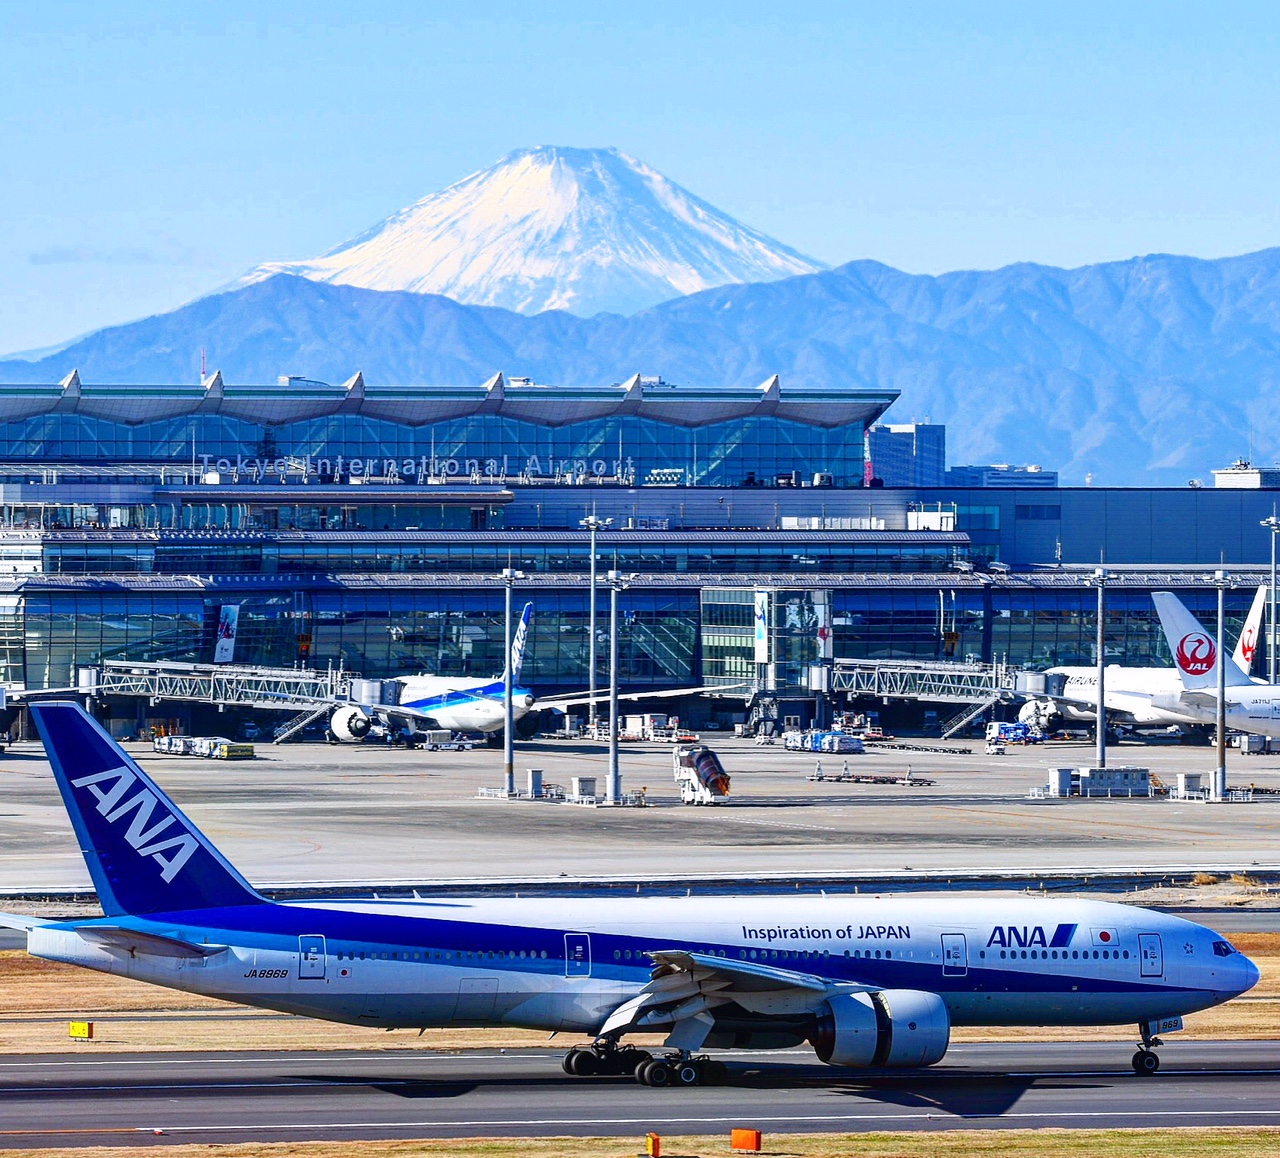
(1146, 1061)
(607, 1058)
(681, 1069)
(604, 1058)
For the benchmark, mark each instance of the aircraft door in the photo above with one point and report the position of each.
(1151, 953)
(311, 958)
(577, 955)
(955, 955)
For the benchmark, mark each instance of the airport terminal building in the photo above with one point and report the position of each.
(366, 526)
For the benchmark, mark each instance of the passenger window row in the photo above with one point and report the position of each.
(1075, 954)
(444, 955)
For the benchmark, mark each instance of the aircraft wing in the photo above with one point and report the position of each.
(562, 702)
(686, 987)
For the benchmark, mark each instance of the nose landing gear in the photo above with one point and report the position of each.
(1146, 1061)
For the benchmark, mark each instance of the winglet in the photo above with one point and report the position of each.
(144, 856)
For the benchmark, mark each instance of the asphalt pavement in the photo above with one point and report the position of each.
(83, 1100)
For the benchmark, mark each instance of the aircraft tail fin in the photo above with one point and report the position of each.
(1195, 654)
(1247, 644)
(144, 856)
(518, 644)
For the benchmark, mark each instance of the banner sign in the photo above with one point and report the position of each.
(762, 626)
(224, 649)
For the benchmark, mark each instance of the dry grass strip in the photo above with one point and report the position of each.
(1219, 1142)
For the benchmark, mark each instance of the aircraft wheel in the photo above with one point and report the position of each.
(688, 1074)
(655, 1073)
(569, 1060)
(1146, 1062)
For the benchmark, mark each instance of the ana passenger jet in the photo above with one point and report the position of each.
(452, 702)
(867, 981)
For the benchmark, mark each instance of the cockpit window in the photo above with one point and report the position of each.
(1222, 949)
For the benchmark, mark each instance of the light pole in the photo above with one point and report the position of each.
(593, 524)
(1221, 580)
(509, 578)
(1273, 525)
(618, 581)
(1099, 580)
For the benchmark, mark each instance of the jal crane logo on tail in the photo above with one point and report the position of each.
(1249, 643)
(1195, 653)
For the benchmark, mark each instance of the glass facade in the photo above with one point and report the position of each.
(486, 446)
(390, 556)
(669, 637)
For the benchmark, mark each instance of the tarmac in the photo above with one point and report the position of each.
(78, 1100)
(315, 814)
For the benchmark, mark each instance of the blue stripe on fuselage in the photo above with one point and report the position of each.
(494, 691)
(266, 926)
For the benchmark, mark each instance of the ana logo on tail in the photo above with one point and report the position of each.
(1195, 653)
(109, 789)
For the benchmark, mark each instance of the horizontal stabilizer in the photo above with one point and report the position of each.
(132, 942)
(19, 921)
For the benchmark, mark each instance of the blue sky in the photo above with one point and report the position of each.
(156, 151)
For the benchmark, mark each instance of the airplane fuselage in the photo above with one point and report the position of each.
(1145, 695)
(555, 964)
(463, 705)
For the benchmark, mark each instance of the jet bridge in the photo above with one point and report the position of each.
(978, 686)
(282, 689)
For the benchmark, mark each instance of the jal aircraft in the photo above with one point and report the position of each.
(867, 981)
(1146, 695)
(1250, 707)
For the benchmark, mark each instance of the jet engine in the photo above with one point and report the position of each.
(893, 1027)
(349, 724)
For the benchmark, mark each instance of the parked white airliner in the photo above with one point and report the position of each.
(1250, 707)
(452, 702)
(1146, 695)
(868, 981)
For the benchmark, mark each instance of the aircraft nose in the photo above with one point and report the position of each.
(1247, 974)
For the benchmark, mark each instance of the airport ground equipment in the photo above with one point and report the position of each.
(208, 747)
(1012, 732)
(699, 775)
(844, 776)
(823, 741)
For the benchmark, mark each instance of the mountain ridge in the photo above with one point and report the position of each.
(1151, 370)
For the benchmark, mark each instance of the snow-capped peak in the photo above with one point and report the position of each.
(584, 230)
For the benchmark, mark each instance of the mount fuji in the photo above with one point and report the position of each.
(583, 230)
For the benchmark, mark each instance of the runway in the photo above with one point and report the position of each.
(82, 1100)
